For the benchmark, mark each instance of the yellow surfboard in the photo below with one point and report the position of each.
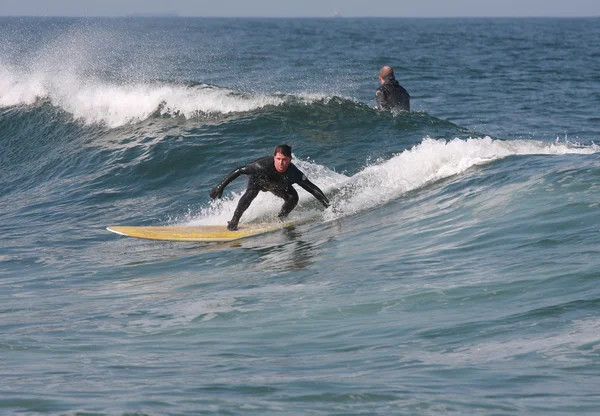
(203, 233)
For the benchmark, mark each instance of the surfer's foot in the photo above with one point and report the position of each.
(232, 226)
(282, 217)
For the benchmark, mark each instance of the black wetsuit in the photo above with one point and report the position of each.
(391, 95)
(264, 177)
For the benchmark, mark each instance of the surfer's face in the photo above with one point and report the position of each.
(281, 162)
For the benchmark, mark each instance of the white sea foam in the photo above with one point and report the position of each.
(433, 160)
(15, 91)
(90, 72)
(562, 345)
(94, 101)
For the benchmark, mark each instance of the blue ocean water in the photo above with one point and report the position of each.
(456, 273)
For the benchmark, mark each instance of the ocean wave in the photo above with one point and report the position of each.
(97, 102)
(92, 101)
(89, 99)
(385, 180)
(434, 160)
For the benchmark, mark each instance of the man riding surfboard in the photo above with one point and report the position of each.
(275, 174)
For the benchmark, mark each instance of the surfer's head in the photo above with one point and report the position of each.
(284, 149)
(385, 73)
(282, 157)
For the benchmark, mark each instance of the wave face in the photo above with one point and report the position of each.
(459, 254)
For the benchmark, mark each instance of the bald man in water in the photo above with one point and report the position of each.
(391, 95)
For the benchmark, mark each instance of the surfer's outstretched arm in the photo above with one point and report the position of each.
(217, 191)
(314, 190)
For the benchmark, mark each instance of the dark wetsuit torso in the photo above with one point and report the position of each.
(264, 177)
(391, 95)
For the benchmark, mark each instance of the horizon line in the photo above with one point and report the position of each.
(338, 17)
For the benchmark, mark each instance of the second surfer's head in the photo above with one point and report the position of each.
(386, 73)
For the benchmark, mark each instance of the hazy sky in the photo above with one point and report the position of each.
(302, 8)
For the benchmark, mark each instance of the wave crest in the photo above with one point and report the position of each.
(114, 105)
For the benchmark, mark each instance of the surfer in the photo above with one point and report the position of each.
(275, 174)
(391, 95)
